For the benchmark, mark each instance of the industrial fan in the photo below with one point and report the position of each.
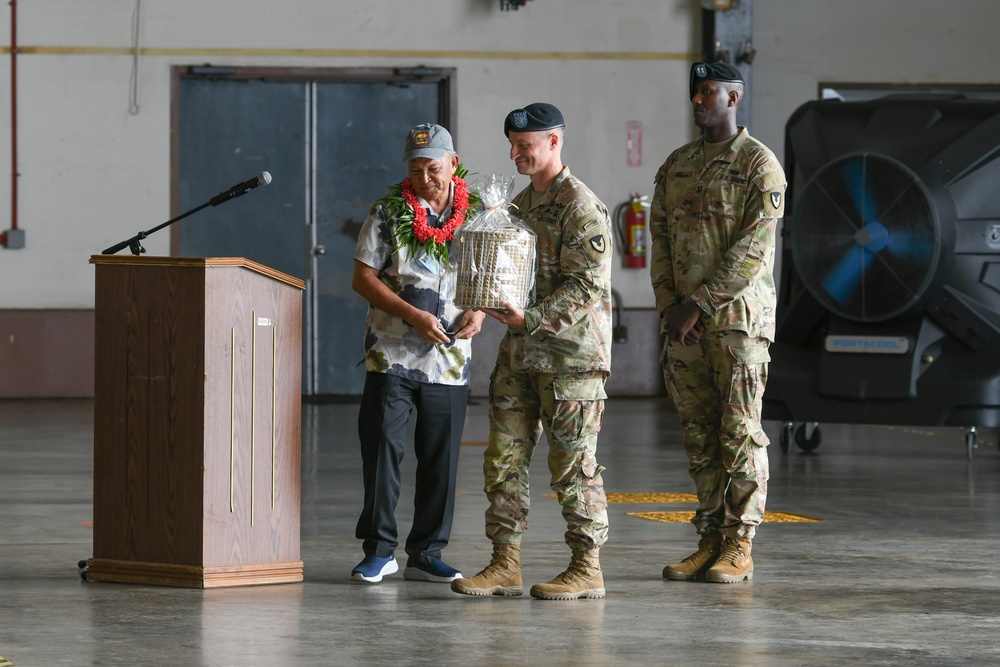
(889, 304)
(868, 239)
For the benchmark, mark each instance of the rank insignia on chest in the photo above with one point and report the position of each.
(776, 199)
(598, 243)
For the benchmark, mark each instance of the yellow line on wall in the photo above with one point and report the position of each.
(352, 53)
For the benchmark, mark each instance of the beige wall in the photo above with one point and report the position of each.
(92, 173)
(801, 43)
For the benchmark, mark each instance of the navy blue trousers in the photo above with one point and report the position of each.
(387, 404)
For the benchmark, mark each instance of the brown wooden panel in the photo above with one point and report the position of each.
(148, 413)
(250, 530)
(111, 334)
(202, 262)
(191, 576)
(196, 467)
(287, 370)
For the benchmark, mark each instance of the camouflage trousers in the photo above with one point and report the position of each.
(717, 386)
(569, 408)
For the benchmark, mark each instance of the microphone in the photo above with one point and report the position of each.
(263, 178)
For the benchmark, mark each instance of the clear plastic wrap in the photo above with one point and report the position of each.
(496, 253)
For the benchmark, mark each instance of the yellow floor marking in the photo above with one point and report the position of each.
(646, 497)
(652, 498)
(685, 517)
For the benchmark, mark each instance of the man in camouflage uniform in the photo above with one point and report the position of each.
(551, 368)
(417, 357)
(714, 213)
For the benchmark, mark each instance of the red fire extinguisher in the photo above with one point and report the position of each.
(630, 221)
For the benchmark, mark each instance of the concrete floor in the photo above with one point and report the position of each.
(901, 570)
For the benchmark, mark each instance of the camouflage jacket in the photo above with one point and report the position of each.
(568, 326)
(393, 346)
(713, 234)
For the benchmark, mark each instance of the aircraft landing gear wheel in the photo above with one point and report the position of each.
(808, 436)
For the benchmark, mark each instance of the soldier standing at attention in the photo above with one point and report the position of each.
(713, 220)
(550, 371)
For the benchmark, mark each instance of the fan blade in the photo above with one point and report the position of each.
(908, 244)
(848, 274)
(853, 174)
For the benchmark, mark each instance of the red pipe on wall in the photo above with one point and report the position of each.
(13, 114)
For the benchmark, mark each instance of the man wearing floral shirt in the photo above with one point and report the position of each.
(417, 357)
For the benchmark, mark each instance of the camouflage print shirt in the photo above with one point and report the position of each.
(713, 232)
(568, 327)
(393, 346)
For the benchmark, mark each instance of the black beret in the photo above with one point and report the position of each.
(533, 118)
(717, 71)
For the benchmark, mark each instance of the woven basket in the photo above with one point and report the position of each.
(495, 265)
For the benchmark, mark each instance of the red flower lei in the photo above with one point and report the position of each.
(423, 231)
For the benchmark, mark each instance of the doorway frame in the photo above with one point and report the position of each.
(446, 79)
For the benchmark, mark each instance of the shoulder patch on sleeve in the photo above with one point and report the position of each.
(772, 186)
(598, 243)
(589, 232)
(597, 246)
(774, 203)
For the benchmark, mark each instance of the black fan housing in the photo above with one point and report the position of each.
(889, 303)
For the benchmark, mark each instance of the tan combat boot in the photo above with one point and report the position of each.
(734, 563)
(582, 579)
(501, 577)
(693, 567)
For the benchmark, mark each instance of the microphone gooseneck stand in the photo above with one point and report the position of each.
(134, 244)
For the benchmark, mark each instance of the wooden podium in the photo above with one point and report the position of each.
(197, 422)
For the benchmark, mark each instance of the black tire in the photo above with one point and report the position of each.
(785, 437)
(808, 444)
